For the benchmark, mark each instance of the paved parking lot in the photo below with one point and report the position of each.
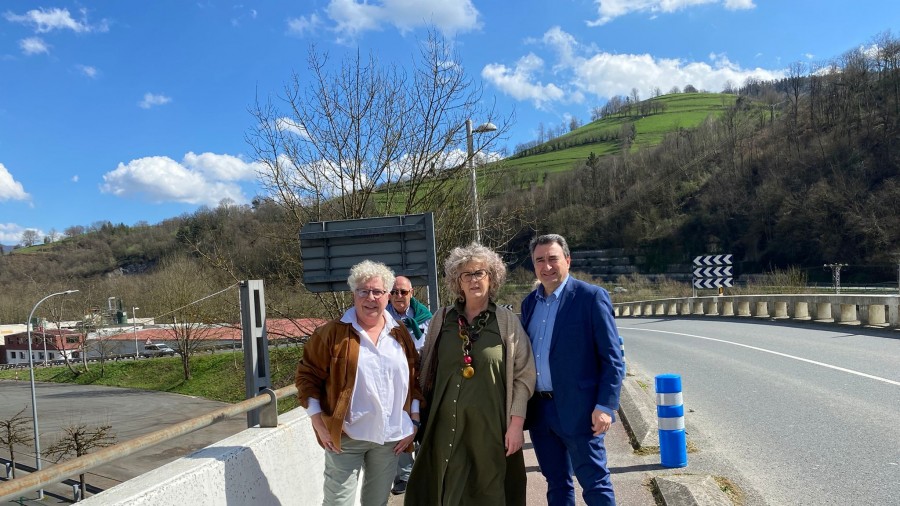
(131, 413)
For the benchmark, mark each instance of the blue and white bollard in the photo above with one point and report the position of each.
(670, 412)
(622, 346)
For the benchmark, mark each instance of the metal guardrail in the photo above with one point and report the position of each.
(268, 417)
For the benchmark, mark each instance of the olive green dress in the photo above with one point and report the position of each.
(462, 459)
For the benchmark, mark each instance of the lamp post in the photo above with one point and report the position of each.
(486, 127)
(37, 439)
(134, 327)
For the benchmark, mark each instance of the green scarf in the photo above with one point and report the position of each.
(421, 314)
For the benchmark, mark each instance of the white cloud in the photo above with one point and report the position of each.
(611, 9)
(88, 70)
(47, 20)
(563, 43)
(350, 18)
(203, 179)
(221, 167)
(151, 100)
(11, 233)
(75, 178)
(288, 125)
(34, 45)
(10, 189)
(304, 25)
(581, 71)
(518, 82)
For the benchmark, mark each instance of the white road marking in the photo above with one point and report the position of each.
(801, 359)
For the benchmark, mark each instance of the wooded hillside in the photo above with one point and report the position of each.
(809, 178)
(794, 173)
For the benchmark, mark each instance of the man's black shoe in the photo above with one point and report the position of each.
(399, 487)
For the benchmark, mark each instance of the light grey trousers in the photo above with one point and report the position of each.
(342, 473)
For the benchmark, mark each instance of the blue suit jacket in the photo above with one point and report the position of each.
(585, 356)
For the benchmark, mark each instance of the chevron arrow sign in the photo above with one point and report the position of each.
(713, 283)
(713, 272)
(712, 260)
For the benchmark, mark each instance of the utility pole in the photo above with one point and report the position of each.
(836, 275)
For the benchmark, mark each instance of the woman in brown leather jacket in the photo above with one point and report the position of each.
(359, 384)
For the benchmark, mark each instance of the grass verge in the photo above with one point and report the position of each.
(218, 377)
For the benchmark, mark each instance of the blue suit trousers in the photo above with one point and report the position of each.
(561, 455)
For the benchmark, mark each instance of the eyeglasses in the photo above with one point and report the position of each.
(364, 294)
(476, 275)
(400, 292)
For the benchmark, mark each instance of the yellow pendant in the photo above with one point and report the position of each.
(468, 371)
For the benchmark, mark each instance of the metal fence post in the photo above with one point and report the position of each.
(257, 377)
(670, 412)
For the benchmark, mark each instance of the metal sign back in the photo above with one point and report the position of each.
(405, 243)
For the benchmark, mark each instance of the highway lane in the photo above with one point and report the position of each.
(808, 414)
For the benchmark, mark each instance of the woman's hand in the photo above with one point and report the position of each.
(515, 436)
(404, 443)
(322, 431)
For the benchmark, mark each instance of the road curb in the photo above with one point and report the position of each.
(690, 489)
(638, 411)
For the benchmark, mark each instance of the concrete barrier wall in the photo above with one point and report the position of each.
(282, 465)
(870, 310)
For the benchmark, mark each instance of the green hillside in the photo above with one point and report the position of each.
(662, 115)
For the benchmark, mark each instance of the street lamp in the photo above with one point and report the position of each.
(37, 438)
(134, 326)
(486, 127)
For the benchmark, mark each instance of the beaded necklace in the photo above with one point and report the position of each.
(469, 334)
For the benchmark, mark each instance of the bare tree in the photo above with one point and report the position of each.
(368, 127)
(363, 138)
(30, 237)
(13, 432)
(74, 230)
(80, 440)
(574, 123)
(193, 305)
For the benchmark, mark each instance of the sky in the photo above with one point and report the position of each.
(135, 112)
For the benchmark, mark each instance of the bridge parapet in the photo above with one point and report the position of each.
(280, 465)
(867, 310)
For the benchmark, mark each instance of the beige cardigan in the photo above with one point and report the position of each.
(520, 370)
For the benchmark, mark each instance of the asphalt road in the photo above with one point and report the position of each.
(806, 414)
(131, 413)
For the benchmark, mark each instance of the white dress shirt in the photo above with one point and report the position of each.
(382, 384)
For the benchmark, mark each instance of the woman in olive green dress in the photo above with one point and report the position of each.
(479, 373)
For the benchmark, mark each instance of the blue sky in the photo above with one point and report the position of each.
(111, 111)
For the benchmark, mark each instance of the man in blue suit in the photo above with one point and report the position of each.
(579, 376)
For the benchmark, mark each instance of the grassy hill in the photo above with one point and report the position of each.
(603, 137)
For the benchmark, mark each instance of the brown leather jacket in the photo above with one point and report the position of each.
(327, 372)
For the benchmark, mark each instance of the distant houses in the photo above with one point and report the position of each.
(126, 340)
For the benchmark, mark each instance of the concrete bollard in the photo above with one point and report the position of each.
(670, 412)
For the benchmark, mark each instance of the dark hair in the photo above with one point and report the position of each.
(549, 239)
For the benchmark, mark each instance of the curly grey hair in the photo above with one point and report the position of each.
(474, 252)
(366, 270)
